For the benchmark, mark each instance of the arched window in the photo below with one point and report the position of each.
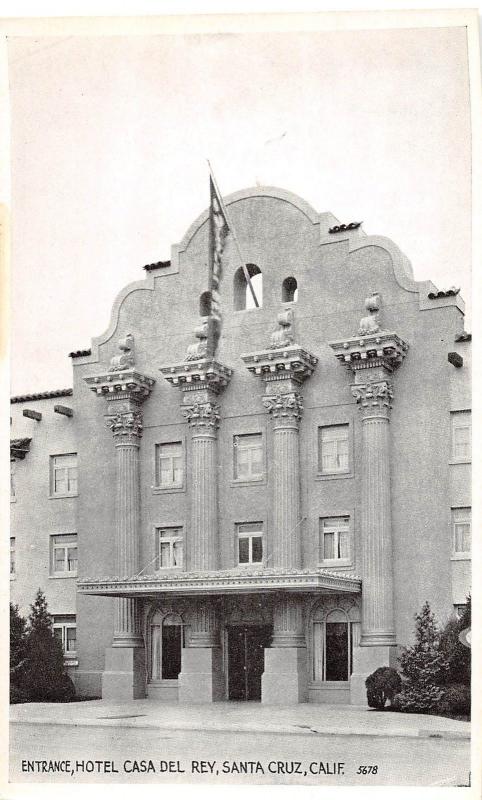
(243, 298)
(290, 290)
(334, 635)
(165, 647)
(205, 304)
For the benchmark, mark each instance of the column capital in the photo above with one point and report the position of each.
(126, 427)
(202, 417)
(285, 408)
(373, 398)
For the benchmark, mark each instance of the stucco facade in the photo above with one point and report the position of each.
(265, 523)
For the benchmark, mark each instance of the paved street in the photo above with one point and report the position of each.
(115, 754)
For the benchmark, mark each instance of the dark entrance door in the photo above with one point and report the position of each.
(246, 645)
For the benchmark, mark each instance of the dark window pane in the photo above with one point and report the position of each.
(244, 551)
(257, 549)
(336, 651)
(171, 651)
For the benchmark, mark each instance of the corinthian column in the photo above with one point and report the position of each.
(127, 431)
(374, 403)
(283, 367)
(373, 356)
(285, 412)
(203, 420)
(201, 380)
(125, 390)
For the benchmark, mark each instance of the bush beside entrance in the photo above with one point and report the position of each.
(435, 671)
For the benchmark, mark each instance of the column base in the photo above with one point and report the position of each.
(124, 677)
(365, 661)
(284, 680)
(201, 679)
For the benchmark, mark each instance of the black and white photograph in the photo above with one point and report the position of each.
(240, 251)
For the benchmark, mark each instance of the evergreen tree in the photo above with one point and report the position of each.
(17, 655)
(424, 667)
(457, 654)
(45, 676)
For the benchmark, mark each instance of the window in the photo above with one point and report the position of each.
(63, 475)
(166, 643)
(250, 543)
(169, 465)
(461, 521)
(248, 456)
(12, 556)
(333, 449)
(205, 304)
(289, 292)
(169, 548)
(243, 297)
(66, 632)
(335, 634)
(64, 555)
(461, 436)
(335, 539)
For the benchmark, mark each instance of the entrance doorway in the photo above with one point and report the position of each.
(246, 645)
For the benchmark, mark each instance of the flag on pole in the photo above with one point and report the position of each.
(218, 231)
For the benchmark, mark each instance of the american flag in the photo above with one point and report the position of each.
(218, 231)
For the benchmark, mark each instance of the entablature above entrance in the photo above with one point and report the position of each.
(221, 582)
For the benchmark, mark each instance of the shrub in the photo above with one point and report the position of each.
(382, 685)
(456, 699)
(45, 678)
(456, 653)
(424, 667)
(17, 655)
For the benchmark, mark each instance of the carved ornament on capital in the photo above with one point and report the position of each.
(373, 399)
(203, 417)
(285, 407)
(126, 426)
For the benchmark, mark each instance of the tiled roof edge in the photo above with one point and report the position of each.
(157, 265)
(24, 398)
(80, 353)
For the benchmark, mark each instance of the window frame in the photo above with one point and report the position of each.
(170, 539)
(159, 620)
(460, 414)
(332, 473)
(250, 479)
(318, 626)
(65, 622)
(65, 546)
(461, 555)
(336, 530)
(250, 535)
(54, 494)
(158, 488)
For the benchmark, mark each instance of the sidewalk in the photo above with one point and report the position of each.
(304, 719)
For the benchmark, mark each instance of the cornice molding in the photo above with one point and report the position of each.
(221, 582)
(200, 374)
(291, 362)
(129, 384)
(382, 349)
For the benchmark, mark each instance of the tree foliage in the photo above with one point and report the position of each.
(456, 653)
(425, 667)
(44, 677)
(17, 654)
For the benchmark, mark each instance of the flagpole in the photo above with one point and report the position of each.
(231, 228)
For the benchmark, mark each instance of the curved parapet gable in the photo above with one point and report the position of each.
(144, 285)
(274, 192)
